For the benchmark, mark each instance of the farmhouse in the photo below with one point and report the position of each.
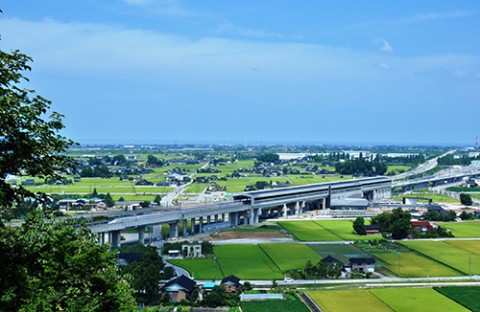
(422, 226)
(192, 250)
(330, 259)
(231, 283)
(362, 264)
(179, 288)
(372, 229)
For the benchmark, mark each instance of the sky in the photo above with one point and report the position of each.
(216, 71)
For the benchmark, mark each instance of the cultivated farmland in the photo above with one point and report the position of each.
(463, 229)
(309, 231)
(461, 255)
(348, 301)
(202, 269)
(290, 256)
(341, 252)
(466, 296)
(246, 262)
(344, 229)
(416, 299)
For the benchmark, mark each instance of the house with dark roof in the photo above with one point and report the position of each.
(231, 283)
(330, 259)
(372, 229)
(179, 288)
(362, 264)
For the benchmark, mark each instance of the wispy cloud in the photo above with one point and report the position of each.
(386, 47)
(440, 15)
(163, 7)
(246, 32)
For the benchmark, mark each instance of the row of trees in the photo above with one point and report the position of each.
(361, 167)
(323, 270)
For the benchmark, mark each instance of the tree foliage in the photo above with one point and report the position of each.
(466, 199)
(52, 265)
(397, 223)
(29, 142)
(359, 226)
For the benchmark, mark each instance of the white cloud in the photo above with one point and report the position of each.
(441, 15)
(384, 66)
(246, 32)
(386, 47)
(162, 7)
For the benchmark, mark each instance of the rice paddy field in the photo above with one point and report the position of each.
(290, 256)
(466, 296)
(465, 229)
(246, 262)
(202, 269)
(384, 299)
(331, 230)
(416, 299)
(348, 301)
(344, 229)
(309, 231)
(406, 263)
(462, 255)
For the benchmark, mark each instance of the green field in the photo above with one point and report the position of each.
(344, 229)
(348, 301)
(341, 252)
(466, 296)
(438, 198)
(246, 262)
(461, 255)
(309, 231)
(202, 269)
(464, 229)
(286, 305)
(406, 263)
(290, 256)
(303, 179)
(416, 299)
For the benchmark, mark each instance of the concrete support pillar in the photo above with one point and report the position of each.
(141, 235)
(173, 230)
(116, 239)
(252, 216)
(223, 217)
(192, 221)
(215, 218)
(209, 219)
(297, 208)
(324, 203)
(100, 238)
(185, 228)
(285, 210)
(200, 225)
(257, 213)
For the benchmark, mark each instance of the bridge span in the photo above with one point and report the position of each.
(247, 208)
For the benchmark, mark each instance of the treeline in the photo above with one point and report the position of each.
(361, 167)
(450, 160)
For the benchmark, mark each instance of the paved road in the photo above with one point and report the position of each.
(178, 270)
(430, 164)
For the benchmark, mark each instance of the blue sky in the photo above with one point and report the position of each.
(165, 71)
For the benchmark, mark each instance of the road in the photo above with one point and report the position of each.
(430, 164)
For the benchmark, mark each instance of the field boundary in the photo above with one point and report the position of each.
(310, 303)
(269, 257)
(328, 230)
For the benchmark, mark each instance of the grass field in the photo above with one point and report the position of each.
(438, 198)
(344, 229)
(246, 262)
(341, 252)
(302, 179)
(348, 301)
(290, 256)
(406, 263)
(463, 229)
(416, 299)
(290, 304)
(461, 255)
(466, 296)
(309, 231)
(203, 269)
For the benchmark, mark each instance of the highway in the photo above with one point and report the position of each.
(430, 164)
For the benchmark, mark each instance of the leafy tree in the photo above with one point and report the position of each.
(94, 193)
(397, 223)
(219, 297)
(359, 226)
(268, 158)
(157, 199)
(260, 185)
(381, 168)
(53, 266)
(146, 276)
(121, 199)
(466, 199)
(109, 200)
(467, 215)
(28, 143)
(153, 161)
(86, 172)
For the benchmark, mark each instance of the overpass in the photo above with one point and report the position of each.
(423, 183)
(247, 208)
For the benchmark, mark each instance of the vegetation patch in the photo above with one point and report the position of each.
(416, 299)
(348, 301)
(466, 296)
(344, 229)
(290, 256)
(457, 254)
(202, 269)
(246, 262)
(470, 229)
(291, 303)
(309, 231)
(342, 252)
